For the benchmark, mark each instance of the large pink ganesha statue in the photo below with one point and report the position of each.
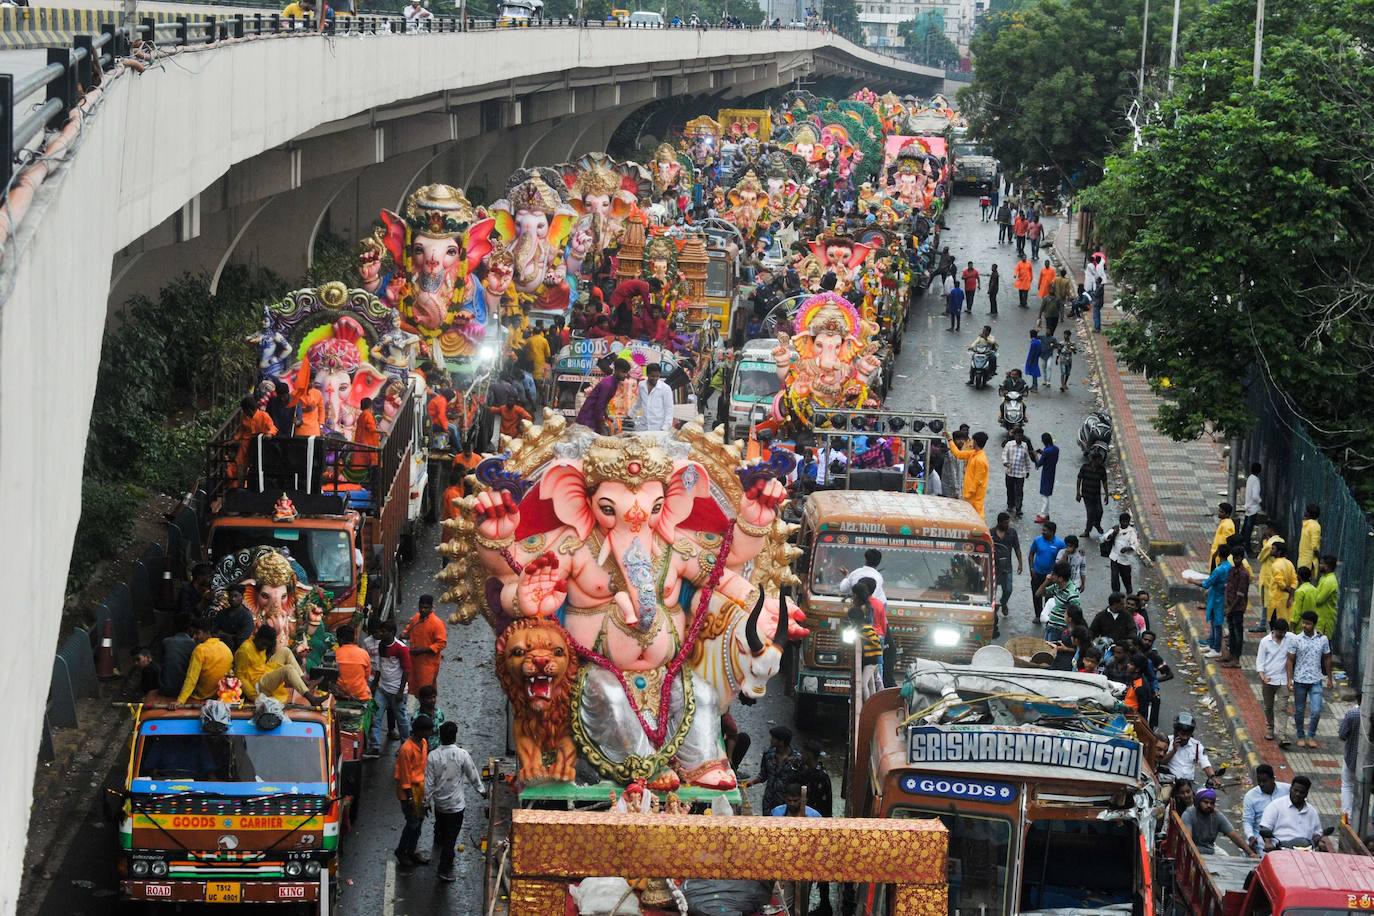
(831, 357)
(660, 587)
(534, 220)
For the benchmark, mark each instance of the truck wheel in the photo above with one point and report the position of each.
(808, 711)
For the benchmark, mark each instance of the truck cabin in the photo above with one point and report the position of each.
(1286, 882)
(756, 383)
(1042, 773)
(247, 815)
(936, 567)
(323, 541)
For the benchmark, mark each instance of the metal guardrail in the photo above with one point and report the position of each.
(73, 71)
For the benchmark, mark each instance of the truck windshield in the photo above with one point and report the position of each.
(717, 277)
(933, 571)
(1053, 875)
(324, 553)
(979, 860)
(757, 381)
(232, 758)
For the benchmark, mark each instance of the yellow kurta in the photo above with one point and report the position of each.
(1283, 578)
(975, 475)
(210, 662)
(1310, 545)
(1226, 529)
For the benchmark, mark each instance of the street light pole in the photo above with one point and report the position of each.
(1144, 37)
(1259, 38)
(1173, 46)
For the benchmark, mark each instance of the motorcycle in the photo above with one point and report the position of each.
(980, 365)
(1013, 411)
(1095, 435)
(1300, 843)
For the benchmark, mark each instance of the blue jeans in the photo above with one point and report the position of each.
(396, 705)
(410, 833)
(1214, 637)
(1305, 696)
(1097, 315)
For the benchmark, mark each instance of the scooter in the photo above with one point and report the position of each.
(1300, 842)
(1095, 435)
(980, 365)
(1013, 411)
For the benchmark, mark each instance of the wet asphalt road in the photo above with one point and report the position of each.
(930, 375)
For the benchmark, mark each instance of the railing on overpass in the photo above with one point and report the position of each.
(73, 71)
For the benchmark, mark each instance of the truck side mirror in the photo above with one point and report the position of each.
(113, 803)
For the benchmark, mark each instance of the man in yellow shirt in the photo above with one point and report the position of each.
(300, 9)
(1282, 581)
(259, 657)
(1310, 541)
(1226, 529)
(210, 662)
(537, 346)
(1269, 536)
(975, 470)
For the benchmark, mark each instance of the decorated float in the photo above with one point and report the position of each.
(633, 584)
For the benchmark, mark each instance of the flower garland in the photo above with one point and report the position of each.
(658, 733)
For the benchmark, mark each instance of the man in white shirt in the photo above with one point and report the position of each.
(1252, 505)
(827, 456)
(869, 570)
(655, 401)
(1290, 818)
(446, 768)
(1186, 755)
(417, 17)
(1257, 800)
(1271, 663)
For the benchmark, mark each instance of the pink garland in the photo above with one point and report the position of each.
(659, 733)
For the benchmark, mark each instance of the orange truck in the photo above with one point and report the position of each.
(358, 509)
(1287, 882)
(246, 816)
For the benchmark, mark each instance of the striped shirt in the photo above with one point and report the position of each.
(872, 643)
(1016, 459)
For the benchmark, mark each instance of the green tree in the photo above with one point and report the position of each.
(843, 16)
(926, 41)
(1053, 80)
(1242, 227)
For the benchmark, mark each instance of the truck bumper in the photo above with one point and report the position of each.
(823, 682)
(195, 891)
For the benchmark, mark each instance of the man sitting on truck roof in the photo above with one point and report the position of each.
(210, 662)
(1206, 823)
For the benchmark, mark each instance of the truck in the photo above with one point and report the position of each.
(244, 816)
(1044, 780)
(756, 384)
(937, 571)
(977, 168)
(1286, 882)
(358, 509)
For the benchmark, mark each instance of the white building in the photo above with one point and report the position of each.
(880, 19)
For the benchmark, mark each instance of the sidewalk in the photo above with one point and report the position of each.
(1175, 488)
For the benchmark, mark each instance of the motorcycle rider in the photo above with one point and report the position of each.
(1185, 754)
(984, 339)
(1014, 381)
(1291, 820)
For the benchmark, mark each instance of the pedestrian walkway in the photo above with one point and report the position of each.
(1175, 488)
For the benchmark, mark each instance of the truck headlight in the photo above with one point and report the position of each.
(312, 869)
(945, 636)
(159, 869)
(827, 658)
(139, 869)
(293, 869)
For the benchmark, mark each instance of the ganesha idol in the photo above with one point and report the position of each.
(841, 256)
(829, 359)
(336, 362)
(273, 590)
(534, 221)
(633, 583)
(604, 192)
(435, 244)
(912, 181)
(748, 204)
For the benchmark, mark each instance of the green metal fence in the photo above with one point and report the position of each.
(1295, 474)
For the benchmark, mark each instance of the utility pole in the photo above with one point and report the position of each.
(1144, 37)
(1259, 38)
(1173, 46)
(1365, 759)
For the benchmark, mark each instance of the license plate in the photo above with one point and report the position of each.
(222, 892)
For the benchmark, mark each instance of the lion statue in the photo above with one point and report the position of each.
(537, 668)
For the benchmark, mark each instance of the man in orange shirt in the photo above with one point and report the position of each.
(1021, 280)
(1018, 228)
(437, 410)
(1047, 275)
(365, 433)
(511, 414)
(410, 790)
(253, 422)
(427, 636)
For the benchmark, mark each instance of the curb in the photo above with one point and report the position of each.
(1176, 586)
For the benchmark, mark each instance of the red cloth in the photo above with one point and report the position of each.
(438, 411)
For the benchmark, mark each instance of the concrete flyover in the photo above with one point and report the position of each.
(244, 150)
